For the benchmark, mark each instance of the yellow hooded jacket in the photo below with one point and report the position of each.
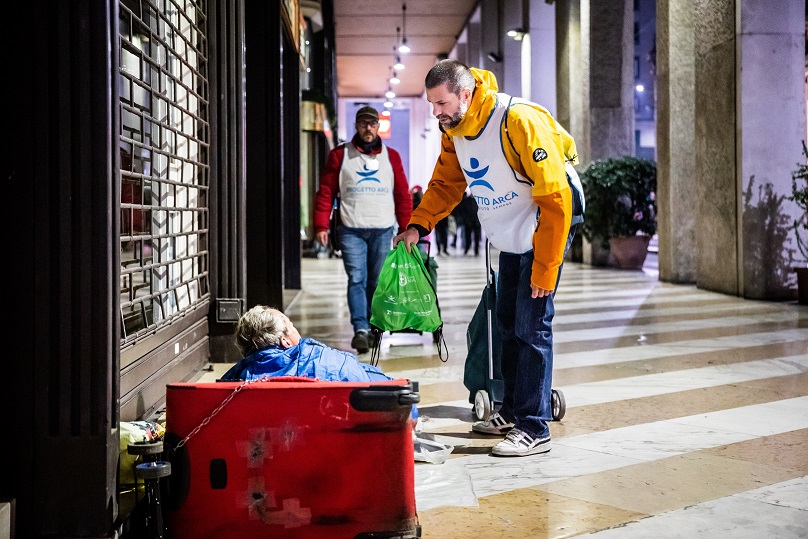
(529, 126)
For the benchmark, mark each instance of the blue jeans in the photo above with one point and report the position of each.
(526, 327)
(363, 254)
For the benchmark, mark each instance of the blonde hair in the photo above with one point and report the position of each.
(259, 328)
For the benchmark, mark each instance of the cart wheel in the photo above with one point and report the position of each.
(482, 405)
(559, 405)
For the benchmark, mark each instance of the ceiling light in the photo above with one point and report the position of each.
(388, 104)
(640, 88)
(516, 33)
(399, 66)
(403, 48)
(394, 79)
(389, 94)
(385, 112)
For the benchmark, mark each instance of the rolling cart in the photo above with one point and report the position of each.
(482, 374)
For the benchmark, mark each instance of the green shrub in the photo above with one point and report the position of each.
(799, 194)
(620, 198)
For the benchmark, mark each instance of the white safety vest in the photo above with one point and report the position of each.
(505, 205)
(366, 189)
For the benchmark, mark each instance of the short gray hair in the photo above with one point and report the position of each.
(259, 328)
(455, 75)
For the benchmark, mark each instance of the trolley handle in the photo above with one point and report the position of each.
(381, 398)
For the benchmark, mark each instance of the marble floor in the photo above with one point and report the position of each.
(686, 410)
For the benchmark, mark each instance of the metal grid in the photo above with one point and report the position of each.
(165, 174)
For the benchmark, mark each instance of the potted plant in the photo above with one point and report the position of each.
(621, 207)
(799, 195)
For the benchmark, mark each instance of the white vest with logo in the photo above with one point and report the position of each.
(506, 209)
(366, 189)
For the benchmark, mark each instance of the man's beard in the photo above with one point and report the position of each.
(457, 117)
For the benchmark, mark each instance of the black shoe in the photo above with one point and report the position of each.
(360, 342)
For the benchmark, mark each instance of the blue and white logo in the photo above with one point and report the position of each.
(367, 175)
(485, 202)
(476, 175)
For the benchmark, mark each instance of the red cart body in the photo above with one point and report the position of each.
(291, 458)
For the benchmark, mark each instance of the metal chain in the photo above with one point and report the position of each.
(219, 409)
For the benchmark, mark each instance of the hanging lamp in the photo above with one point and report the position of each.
(404, 48)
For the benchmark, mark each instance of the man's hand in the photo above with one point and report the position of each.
(537, 292)
(322, 238)
(409, 237)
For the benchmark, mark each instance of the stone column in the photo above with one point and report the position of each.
(771, 122)
(715, 182)
(750, 119)
(676, 195)
(543, 69)
(572, 80)
(474, 44)
(611, 57)
(596, 83)
(491, 38)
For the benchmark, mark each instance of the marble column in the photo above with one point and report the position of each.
(595, 81)
(676, 196)
(611, 77)
(749, 123)
(772, 121)
(572, 79)
(542, 54)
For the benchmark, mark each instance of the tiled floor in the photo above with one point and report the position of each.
(687, 410)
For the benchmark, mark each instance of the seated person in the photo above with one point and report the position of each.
(272, 346)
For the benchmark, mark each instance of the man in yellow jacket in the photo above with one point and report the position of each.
(516, 160)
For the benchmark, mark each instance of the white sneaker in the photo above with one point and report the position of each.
(518, 443)
(496, 424)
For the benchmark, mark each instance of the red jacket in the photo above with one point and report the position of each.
(329, 187)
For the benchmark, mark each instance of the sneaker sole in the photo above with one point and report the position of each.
(495, 431)
(542, 448)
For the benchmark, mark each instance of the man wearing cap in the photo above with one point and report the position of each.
(375, 203)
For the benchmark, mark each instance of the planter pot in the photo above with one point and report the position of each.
(802, 285)
(629, 252)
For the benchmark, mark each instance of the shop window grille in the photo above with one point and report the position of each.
(164, 151)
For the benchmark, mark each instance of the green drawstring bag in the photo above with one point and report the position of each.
(405, 296)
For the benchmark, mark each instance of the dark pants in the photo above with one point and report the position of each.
(526, 326)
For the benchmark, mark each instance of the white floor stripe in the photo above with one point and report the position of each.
(606, 356)
(597, 452)
(561, 361)
(636, 314)
(778, 511)
(787, 315)
(636, 387)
